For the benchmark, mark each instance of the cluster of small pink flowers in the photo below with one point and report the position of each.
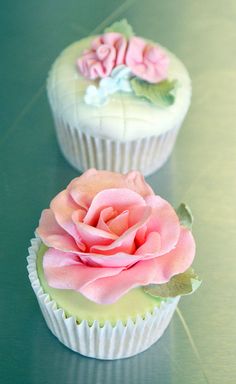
(146, 61)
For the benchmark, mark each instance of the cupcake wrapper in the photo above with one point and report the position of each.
(84, 151)
(109, 341)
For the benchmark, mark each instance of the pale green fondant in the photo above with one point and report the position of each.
(136, 302)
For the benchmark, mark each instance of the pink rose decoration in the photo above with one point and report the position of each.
(107, 52)
(108, 233)
(147, 61)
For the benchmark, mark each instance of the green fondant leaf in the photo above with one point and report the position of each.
(160, 93)
(179, 285)
(122, 27)
(185, 216)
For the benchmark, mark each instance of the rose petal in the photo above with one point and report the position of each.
(119, 199)
(63, 207)
(119, 42)
(94, 236)
(107, 51)
(134, 180)
(119, 259)
(102, 51)
(119, 224)
(53, 235)
(78, 216)
(96, 42)
(105, 215)
(84, 188)
(74, 275)
(141, 235)
(55, 258)
(154, 271)
(151, 246)
(125, 243)
(176, 261)
(164, 220)
(110, 289)
(135, 50)
(147, 61)
(157, 63)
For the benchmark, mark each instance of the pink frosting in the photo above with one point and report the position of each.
(108, 233)
(147, 61)
(107, 51)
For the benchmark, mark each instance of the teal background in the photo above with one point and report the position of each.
(201, 172)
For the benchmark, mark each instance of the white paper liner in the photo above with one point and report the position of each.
(107, 342)
(84, 151)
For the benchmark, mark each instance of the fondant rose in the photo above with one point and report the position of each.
(108, 233)
(147, 61)
(107, 51)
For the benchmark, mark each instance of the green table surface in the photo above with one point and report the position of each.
(200, 344)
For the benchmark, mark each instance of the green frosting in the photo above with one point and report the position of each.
(160, 94)
(185, 216)
(135, 302)
(179, 285)
(122, 27)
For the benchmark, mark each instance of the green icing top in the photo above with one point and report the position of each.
(135, 302)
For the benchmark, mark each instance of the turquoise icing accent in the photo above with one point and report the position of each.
(117, 82)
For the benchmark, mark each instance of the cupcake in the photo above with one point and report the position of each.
(109, 263)
(118, 101)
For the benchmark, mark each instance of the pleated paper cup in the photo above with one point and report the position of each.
(84, 151)
(108, 341)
